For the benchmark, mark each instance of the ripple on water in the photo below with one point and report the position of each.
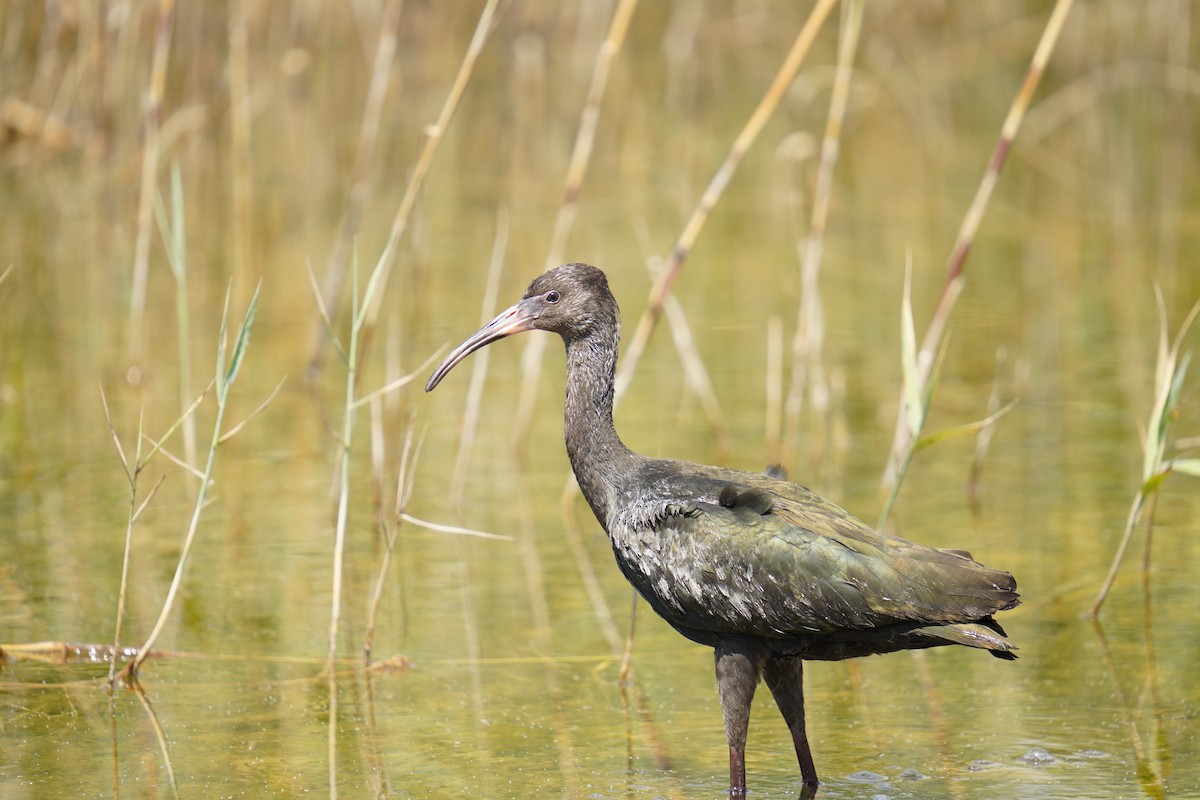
(1037, 756)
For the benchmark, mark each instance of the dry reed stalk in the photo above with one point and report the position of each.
(694, 371)
(452, 529)
(331, 728)
(542, 630)
(983, 438)
(398, 383)
(239, 131)
(391, 531)
(470, 620)
(374, 756)
(152, 109)
(1178, 149)
(95, 27)
(581, 156)
(159, 735)
(360, 308)
(1147, 770)
(378, 457)
(531, 360)
(808, 341)
(622, 646)
(174, 236)
(112, 736)
(592, 587)
(360, 174)
(716, 187)
(773, 391)
(132, 473)
(906, 434)
(135, 510)
(470, 423)
(345, 440)
(937, 715)
(433, 137)
(458, 480)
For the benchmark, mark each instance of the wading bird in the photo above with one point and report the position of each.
(762, 570)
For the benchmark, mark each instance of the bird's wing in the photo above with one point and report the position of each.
(762, 563)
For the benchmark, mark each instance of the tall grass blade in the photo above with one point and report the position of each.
(224, 379)
(1170, 369)
(1188, 466)
(243, 337)
(961, 430)
(914, 411)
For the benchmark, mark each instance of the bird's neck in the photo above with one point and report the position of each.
(598, 456)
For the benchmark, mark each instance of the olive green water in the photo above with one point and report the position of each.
(508, 678)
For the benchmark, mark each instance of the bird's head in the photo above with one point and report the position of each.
(573, 301)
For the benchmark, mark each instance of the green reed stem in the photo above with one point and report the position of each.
(359, 320)
(470, 421)
(242, 168)
(1170, 369)
(226, 374)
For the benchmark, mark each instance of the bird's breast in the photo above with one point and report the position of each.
(690, 583)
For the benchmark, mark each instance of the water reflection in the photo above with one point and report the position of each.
(404, 733)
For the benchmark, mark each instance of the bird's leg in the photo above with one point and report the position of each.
(738, 671)
(785, 679)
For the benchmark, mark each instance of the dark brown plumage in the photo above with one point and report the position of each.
(762, 570)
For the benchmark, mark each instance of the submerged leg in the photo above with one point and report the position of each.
(785, 679)
(737, 676)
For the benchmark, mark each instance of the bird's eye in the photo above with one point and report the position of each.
(553, 296)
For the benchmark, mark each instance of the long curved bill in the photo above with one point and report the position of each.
(515, 319)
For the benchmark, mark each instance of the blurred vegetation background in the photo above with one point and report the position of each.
(293, 142)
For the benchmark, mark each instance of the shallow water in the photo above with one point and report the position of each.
(509, 650)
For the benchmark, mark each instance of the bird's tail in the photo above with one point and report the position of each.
(985, 634)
